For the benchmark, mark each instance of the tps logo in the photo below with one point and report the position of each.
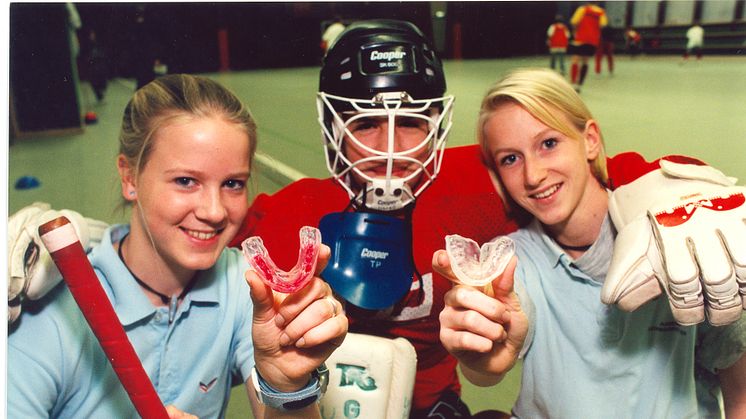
(352, 375)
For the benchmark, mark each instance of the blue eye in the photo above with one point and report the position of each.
(184, 181)
(549, 143)
(507, 160)
(235, 184)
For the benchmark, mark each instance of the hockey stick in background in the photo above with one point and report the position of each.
(63, 244)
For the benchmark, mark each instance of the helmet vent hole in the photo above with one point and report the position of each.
(397, 192)
(379, 192)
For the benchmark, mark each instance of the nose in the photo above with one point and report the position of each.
(210, 207)
(534, 172)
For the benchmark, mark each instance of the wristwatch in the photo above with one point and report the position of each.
(309, 394)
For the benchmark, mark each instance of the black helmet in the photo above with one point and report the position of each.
(375, 56)
(383, 69)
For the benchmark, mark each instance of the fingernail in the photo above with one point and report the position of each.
(300, 343)
(279, 320)
(284, 340)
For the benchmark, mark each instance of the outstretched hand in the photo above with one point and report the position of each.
(484, 329)
(295, 333)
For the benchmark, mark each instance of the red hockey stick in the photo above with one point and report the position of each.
(63, 244)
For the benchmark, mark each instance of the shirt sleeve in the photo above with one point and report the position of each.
(34, 369)
(30, 386)
(579, 12)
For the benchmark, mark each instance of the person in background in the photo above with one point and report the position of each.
(633, 41)
(331, 33)
(695, 39)
(186, 147)
(95, 65)
(605, 48)
(587, 22)
(547, 153)
(558, 36)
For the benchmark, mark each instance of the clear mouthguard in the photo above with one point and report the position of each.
(477, 266)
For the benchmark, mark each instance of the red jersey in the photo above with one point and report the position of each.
(558, 36)
(588, 21)
(462, 200)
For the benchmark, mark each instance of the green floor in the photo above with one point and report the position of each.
(654, 105)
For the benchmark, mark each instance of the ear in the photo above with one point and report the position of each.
(127, 178)
(592, 137)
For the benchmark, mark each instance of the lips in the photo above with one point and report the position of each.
(200, 235)
(546, 193)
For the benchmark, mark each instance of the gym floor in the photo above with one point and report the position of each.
(655, 105)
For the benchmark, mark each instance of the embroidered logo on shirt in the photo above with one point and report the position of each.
(207, 387)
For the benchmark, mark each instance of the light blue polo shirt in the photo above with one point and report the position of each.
(589, 360)
(56, 368)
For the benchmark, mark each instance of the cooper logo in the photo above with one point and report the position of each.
(373, 254)
(382, 202)
(388, 55)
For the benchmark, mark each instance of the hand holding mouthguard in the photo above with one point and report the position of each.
(478, 267)
(286, 282)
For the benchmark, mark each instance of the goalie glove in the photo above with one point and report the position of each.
(31, 272)
(682, 231)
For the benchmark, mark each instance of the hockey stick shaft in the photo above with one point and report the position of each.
(60, 238)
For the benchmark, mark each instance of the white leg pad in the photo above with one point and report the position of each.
(370, 377)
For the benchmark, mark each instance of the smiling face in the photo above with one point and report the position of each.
(543, 170)
(375, 138)
(191, 192)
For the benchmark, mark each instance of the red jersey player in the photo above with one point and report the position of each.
(587, 22)
(558, 37)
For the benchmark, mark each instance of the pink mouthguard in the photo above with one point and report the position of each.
(477, 266)
(286, 282)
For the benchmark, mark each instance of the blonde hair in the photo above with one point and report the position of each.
(177, 96)
(546, 95)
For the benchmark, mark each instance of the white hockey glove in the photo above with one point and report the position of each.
(31, 272)
(370, 377)
(682, 231)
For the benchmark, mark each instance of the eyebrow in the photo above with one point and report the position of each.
(540, 135)
(196, 173)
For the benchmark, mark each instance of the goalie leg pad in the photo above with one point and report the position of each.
(370, 377)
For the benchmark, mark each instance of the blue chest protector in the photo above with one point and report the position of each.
(371, 261)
